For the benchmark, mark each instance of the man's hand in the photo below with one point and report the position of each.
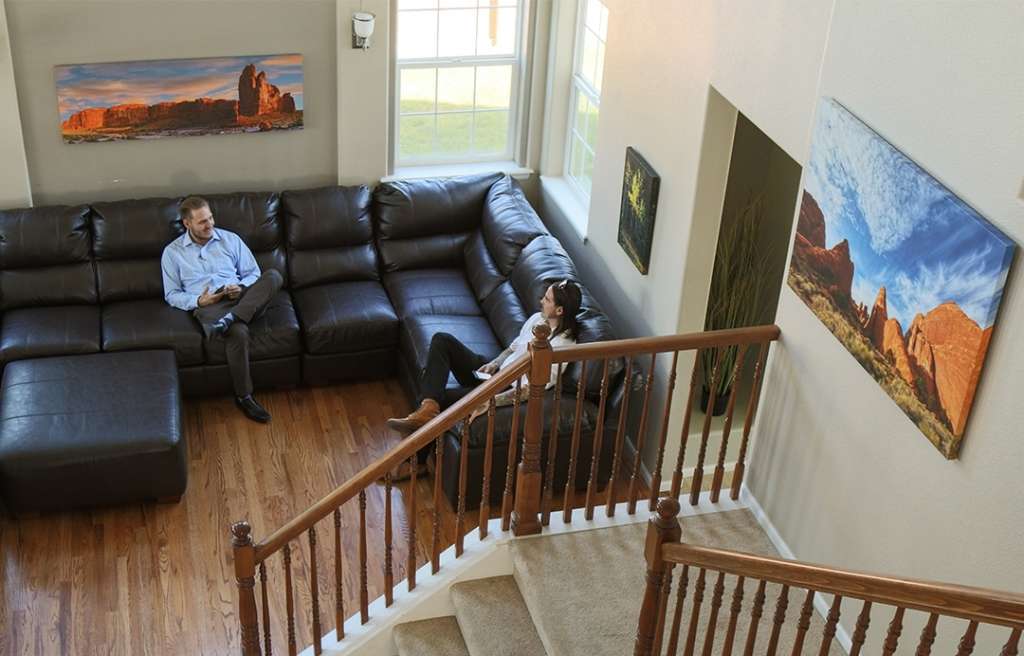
(489, 368)
(233, 291)
(206, 298)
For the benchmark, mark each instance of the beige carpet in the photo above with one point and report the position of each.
(435, 637)
(494, 619)
(586, 588)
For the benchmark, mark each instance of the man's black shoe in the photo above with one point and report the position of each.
(220, 326)
(252, 409)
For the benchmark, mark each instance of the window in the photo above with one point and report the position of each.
(585, 101)
(457, 76)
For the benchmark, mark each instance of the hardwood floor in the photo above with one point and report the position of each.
(159, 578)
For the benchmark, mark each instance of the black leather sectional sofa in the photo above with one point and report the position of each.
(369, 278)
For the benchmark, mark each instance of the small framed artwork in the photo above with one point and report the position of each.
(640, 184)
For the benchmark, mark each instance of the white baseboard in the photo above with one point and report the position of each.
(820, 604)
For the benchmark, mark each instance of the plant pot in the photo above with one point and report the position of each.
(721, 401)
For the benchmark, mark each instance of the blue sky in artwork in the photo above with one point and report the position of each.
(906, 231)
(149, 82)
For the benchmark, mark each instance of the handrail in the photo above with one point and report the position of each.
(970, 603)
(398, 453)
(662, 343)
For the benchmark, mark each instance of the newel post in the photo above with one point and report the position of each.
(245, 578)
(525, 515)
(661, 528)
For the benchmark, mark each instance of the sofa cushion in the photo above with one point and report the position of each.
(253, 216)
(274, 334)
(541, 263)
(152, 324)
(508, 223)
(330, 237)
(346, 317)
(506, 314)
(42, 331)
(431, 291)
(126, 280)
(474, 332)
(61, 284)
(128, 239)
(481, 271)
(424, 223)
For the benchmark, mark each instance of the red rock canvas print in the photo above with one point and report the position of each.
(906, 275)
(179, 97)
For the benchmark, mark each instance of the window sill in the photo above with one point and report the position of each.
(450, 170)
(562, 193)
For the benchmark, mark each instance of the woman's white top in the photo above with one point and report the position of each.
(521, 343)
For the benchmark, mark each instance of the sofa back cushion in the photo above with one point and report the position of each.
(330, 237)
(425, 223)
(508, 223)
(253, 216)
(540, 264)
(129, 237)
(45, 257)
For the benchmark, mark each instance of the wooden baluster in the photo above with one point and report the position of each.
(364, 592)
(803, 624)
(620, 435)
(677, 614)
(780, 618)
(526, 510)
(684, 433)
(1011, 646)
(410, 562)
(716, 480)
(339, 588)
(574, 446)
(892, 637)
(485, 488)
(289, 600)
(435, 533)
(314, 592)
(265, 603)
(716, 604)
(698, 599)
(661, 528)
(549, 475)
(460, 512)
(634, 477)
(245, 579)
(595, 458)
(698, 470)
(966, 647)
(830, 626)
(389, 574)
(928, 633)
(663, 434)
(755, 396)
(666, 589)
(734, 615)
(510, 467)
(860, 631)
(755, 619)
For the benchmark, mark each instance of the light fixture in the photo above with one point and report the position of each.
(362, 29)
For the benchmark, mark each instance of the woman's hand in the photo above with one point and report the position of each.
(489, 368)
(477, 412)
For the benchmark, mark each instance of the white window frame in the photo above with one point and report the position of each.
(578, 85)
(518, 62)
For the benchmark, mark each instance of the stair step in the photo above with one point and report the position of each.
(494, 618)
(439, 636)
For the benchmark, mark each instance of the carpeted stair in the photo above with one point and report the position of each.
(578, 594)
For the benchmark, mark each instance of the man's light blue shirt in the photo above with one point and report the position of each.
(189, 268)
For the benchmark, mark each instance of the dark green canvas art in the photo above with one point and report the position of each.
(640, 186)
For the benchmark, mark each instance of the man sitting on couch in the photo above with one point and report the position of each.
(559, 307)
(213, 274)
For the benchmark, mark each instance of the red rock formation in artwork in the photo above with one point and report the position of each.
(832, 266)
(87, 119)
(257, 96)
(811, 222)
(923, 359)
(894, 347)
(202, 111)
(875, 327)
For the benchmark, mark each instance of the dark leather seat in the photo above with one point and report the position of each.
(90, 430)
(273, 334)
(47, 284)
(431, 291)
(349, 326)
(152, 323)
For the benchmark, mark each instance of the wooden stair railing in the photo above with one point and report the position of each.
(528, 493)
(664, 553)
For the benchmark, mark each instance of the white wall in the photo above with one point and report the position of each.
(844, 475)
(14, 186)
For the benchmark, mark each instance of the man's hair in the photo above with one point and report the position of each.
(189, 204)
(568, 296)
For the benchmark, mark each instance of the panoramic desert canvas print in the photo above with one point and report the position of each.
(179, 97)
(906, 275)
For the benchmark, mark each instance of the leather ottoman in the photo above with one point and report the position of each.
(91, 430)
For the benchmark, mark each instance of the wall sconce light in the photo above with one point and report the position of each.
(362, 29)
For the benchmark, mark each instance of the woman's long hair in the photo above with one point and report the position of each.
(568, 296)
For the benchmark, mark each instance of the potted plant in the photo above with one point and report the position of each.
(736, 296)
